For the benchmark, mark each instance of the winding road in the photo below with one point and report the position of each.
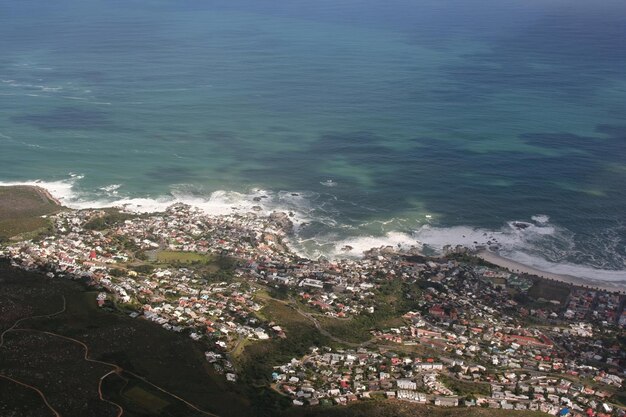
(116, 368)
(318, 326)
(13, 328)
(37, 390)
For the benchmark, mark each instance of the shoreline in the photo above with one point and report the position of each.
(493, 258)
(45, 194)
(514, 266)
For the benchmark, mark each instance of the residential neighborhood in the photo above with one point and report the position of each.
(466, 334)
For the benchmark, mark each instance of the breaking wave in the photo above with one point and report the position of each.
(537, 242)
(299, 205)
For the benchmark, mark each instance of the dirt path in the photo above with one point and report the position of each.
(18, 322)
(37, 390)
(116, 368)
(318, 326)
(12, 328)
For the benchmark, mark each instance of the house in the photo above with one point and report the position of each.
(447, 401)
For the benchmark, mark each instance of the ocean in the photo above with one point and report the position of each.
(396, 122)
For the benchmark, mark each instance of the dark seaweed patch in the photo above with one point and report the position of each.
(67, 118)
(171, 174)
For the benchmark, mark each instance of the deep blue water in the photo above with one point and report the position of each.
(437, 121)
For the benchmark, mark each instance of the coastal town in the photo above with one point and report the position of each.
(449, 331)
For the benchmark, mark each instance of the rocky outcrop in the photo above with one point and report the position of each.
(281, 221)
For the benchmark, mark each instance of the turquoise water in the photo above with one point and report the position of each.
(392, 121)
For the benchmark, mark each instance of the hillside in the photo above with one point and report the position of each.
(21, 208)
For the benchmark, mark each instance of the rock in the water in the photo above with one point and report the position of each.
(281, 220)
(387, 250)
(521, 225)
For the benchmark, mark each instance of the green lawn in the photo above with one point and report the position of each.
(170, 257)
(145, 399)
(465, 387)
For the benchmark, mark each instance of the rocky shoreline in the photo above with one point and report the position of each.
(45, 194)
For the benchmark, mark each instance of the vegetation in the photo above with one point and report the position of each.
(258, 359)
(111, 218)
(117, 272)
(620, 398)
(395, 298)
(143, 268)
(391, 408)
(465, 388)
(470, 259)
(179, 257)
(17, 401)
(550, 290)
(173, 361)
(144, 399)
(170, 360)
(21, 208)
(211, 267)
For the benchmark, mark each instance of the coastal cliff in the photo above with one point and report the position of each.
(22, 208)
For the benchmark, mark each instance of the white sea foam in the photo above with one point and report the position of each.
(566, 268)
(61, 190)
(217, 203)
(51, 89)
(11, 139)
(541, 218)
(111, 190)
(357, 246)
(32, 145)
(68, 91)
(515, 233)
(531, 243)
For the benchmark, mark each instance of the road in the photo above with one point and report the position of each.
(318, 326)
(12, 328)
(116, 369)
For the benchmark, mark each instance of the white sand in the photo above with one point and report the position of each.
(521, 268)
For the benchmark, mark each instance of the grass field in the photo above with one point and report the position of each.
(257, 359)
(465, 387)
(171, 257)
(213, 268)
(392, 304)
(145, 399)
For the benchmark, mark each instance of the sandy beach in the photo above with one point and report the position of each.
(569, 279)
